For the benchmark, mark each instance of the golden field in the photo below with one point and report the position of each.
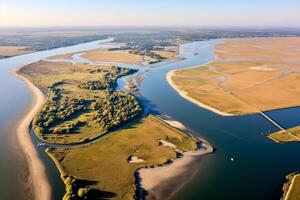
(7, 51)
(247, 76)
(105, 55)
(104, 165)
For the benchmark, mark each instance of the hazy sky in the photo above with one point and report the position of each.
(149, 12)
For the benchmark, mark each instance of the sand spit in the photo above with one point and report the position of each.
(163, 182)
(38, 175)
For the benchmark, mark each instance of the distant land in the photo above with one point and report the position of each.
(37, 39)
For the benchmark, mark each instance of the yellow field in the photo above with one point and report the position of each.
(104, 165)
(167, 54)
(113, 56)
(62, 56)
(295, 190)
(248, 76)
(291, 135)
(291, 189)
(6, 51)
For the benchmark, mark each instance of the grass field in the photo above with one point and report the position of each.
(104, 165)
(247, 76)
(70, 114)
(105, 55)
(295, 190)
(167, 54)
(7, 51)
(291, 135)
(291, 188)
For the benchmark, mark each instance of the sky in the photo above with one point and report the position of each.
(272, 13)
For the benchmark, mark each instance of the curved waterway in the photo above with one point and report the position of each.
(15, 99)
(258, 170)
(259, 166)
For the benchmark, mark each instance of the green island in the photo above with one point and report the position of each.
(83, 105)
(82, 102)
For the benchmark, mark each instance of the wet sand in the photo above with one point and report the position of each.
(37, 172)
(163, 182)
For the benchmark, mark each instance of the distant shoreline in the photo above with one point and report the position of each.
(37, 171)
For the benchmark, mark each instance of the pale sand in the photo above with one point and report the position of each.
(167, 144)
(163, 182)
(38, 175)
(135, 159)
(198, 103)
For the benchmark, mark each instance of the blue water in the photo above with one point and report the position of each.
(260, 164)
(15, 98)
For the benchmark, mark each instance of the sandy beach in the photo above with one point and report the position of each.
(163, 182)
(184, 95)
(37, 171)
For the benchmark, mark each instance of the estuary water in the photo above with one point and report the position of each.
(15, 98)
(259, 166)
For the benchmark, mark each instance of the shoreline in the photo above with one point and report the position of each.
(165, 181)
(37, 171)
(182, 168)
(287, 194)
(185, 96)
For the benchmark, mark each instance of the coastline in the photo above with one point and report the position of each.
(165, 181)
(181, 169)
(287, 195)
(37, 172)
(198, 103)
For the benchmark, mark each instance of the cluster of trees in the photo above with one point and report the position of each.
(74, 191)
(98, 85)
(57, 108)
(113, 71)
(109, 79)
(116, 109)
(147, 53)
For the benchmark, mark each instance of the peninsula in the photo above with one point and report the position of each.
(106, 136)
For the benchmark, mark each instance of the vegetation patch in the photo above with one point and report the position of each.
(291, 189)
(104, 165)
(82, 102)
(290, 135)
(246, 77)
